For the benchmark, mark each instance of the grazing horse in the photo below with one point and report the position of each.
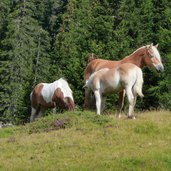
(105, 81)
(144, 56)
(51, 95)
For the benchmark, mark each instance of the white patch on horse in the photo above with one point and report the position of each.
(65, 88)
(156, 53)
(49, 89)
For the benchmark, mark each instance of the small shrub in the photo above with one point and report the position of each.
(62, 123)
(51, 122)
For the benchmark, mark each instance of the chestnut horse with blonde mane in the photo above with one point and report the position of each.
(51, 95)
(144, 56)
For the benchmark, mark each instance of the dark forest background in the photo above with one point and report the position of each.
(41, 41)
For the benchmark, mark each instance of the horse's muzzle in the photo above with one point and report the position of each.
(160, 68)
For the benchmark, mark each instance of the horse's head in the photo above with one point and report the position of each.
(69, 103)
(63, 102)
(152, 58)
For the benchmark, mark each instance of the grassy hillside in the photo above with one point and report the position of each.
(87, 142)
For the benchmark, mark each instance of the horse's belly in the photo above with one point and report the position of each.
(47, 104)
(111, 84)
(112, 89)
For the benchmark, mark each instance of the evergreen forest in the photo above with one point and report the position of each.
(42, 41)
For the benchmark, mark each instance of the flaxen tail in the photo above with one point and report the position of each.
(139, 83)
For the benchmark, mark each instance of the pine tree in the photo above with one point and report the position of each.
(5, 8)
(87, 28)
(139, 23)
(22, 61)
(163, 36)
(41, 41)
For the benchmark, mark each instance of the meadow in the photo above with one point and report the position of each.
(83, 141)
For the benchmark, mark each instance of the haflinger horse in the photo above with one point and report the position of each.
(105, 81)
(51, 95)
(144, 56)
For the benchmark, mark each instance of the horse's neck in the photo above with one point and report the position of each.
(65, 89)
(135, 58)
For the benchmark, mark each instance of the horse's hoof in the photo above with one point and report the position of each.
(119, 116)
(131, 117)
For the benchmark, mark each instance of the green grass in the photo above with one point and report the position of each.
(6, 132)
(83, 141)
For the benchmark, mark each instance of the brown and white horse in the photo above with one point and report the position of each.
(51, 95)
(145, 56)
(126, 77)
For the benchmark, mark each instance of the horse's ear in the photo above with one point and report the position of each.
(156, 45)
(151, 45)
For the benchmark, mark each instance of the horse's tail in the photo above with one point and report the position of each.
(86, 85)
(89, 81)
(139, 83)
(31, 96)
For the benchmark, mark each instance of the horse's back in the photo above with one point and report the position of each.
(47, 91)
(98, 64)
(128, 67)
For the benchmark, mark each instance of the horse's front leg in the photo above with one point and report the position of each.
(134, 102)
(41, 111)
(98, 101)
(54, 110)
(121, 102)
(33, 114)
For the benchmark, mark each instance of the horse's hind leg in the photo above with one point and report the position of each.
(41, 111)
(98, 101)
(33, 114)
(92, 101)
(121, 102)
(135, 99)
(131, 102)
(54, 110)
(134, 103)
(87, 100)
